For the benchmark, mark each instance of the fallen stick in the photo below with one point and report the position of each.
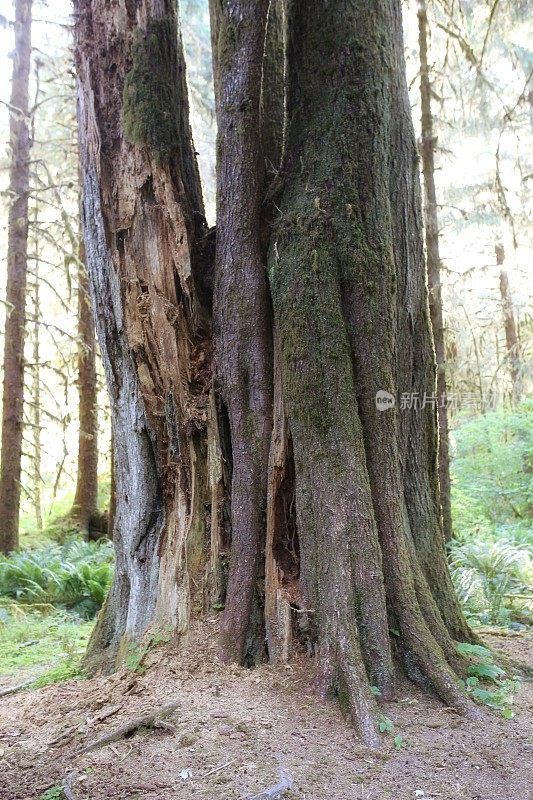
(273, 792)
(143, 721)
(12, 689)
(217, 769)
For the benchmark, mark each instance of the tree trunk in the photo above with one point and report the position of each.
(243, 328)
(431, 228)
(142, 217)
(341, 491)
(36, 384)
(85, 502)
(511, 335)
(17, 264)
(273, 89)
(348, 284)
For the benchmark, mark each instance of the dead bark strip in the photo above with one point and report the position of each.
(278, 790)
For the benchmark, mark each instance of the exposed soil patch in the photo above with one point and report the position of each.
(234, 727)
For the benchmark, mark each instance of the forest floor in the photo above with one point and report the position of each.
(233, 728)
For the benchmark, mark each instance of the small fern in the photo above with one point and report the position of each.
(76, 575)
(490, 575)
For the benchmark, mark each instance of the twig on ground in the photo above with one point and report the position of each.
(217, 769)
(142, 721)
(12, 689)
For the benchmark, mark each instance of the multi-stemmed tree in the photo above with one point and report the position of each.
(251, 433)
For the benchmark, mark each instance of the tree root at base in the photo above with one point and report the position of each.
(143, 721)
(276, 791)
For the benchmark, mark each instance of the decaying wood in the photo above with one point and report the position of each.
(143, 219)
(148, 720)
(278, 585)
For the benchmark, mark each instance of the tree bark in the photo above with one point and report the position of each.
(142, 216)
(343, 495)
(431, 228)
(85, 502)
(348, 284)
(273, 89)
(36, 384)
(511, 335)
(243, 329)
(17, 264)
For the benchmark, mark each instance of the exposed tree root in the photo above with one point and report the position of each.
(276, 791)
(143, 721)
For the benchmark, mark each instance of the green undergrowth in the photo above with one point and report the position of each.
(53, 793)
(487, 683)
(76, 575)
(33, 639)
(491, 557)
(57, 524)
(493, 579)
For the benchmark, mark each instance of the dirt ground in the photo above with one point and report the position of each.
(234, 728)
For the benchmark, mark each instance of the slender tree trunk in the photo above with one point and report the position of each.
(112, 488)
(36, 385)
(17, 263)
(142, 215)
(431, 228)
(348, 283)
(509, 324)
(243, 336)
(84, 507)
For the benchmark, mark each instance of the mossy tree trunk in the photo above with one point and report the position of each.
(342, 496)
(142, 217)
(347, 276)
(431, 230)
(17, 268)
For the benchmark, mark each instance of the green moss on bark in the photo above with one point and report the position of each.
(151, 89)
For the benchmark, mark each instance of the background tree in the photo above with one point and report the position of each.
(509, 324)
(431, 231)
(84, 506)
(481, 68)
(17, 262)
